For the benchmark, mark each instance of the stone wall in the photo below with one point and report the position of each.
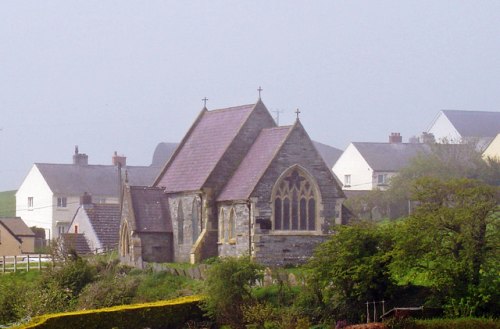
(299, 149)
(281, 250)
(157, 247)
(239, 245)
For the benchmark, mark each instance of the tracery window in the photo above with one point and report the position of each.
(294, 202)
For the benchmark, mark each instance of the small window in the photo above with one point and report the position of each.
(231, 230)
(382, 179)
(347, 180)
(61, 202)
(61, 229)
(221, 226)
(30, 202)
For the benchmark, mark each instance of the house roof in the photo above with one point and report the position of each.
(76, 241)
(329, 153)
(105, 219)
(74, 179)
(254, 164)
(202, 148)
(474, 123)
(389, 156)
(16, 226)
(151, 209)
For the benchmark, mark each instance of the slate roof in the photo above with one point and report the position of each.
(474, 123)
(151, 209)
(162, 153)
(389, 156)
(16, 226)
(254, 164)
(329, 153)
(76, 241)
(202, 148)
(73, 179)
(105, 219)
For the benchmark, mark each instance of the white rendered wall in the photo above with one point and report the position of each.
(352, 163)
(442, 129)
(40, 215)
(81, 220)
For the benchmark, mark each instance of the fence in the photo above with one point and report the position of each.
(9, 264)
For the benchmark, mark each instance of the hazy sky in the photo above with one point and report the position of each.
(125, 75)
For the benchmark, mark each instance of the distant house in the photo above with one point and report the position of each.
(237, 184)
(98, 223)
(50, 194)
(456, 126)
(16, 238)
(367, 166)
(492, 151)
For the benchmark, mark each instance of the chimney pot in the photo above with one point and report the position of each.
(86, 199)
(395, 138)
(119, 160)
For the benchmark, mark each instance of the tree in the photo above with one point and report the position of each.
(348, 270)
(228, 289)
(451, 240)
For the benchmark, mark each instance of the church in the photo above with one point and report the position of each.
(236, 185)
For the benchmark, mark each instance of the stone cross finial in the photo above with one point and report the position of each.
(205, 102)
(259, 90)
(297, 112)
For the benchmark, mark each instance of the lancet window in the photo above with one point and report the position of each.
(295, 203)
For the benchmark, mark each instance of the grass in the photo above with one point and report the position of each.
(8, 204)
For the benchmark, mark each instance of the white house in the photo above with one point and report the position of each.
(369, 166)
(493, 149)
(50, 194)
(98, 223)
(456, 126)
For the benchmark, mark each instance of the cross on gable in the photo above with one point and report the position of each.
(297, 112)
(294, 180)
(205, 102)
(259, 90)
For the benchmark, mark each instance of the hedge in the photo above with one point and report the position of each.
(462, 323)
(157, 315)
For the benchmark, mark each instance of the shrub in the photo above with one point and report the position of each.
(228, 289)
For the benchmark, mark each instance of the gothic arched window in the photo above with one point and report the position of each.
(221, 225)
(231, 229)
(294, 202)
(195, 219)
(180, 224)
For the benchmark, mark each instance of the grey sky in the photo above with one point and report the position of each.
(125, 75)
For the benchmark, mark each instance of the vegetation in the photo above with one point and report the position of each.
(8, 204)
(228, 289)
(79, 284)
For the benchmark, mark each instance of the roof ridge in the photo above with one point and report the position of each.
(231, 108)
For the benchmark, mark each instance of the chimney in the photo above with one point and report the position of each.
(120, 160)
(395, 138)
(86, 200)
(80, 159)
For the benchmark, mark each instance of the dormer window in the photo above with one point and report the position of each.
(295, 198)
(30, 202)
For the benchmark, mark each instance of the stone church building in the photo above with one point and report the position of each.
(237, 184)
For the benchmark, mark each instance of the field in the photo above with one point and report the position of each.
(8, 204)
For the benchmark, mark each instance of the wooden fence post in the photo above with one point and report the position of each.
(28, 264)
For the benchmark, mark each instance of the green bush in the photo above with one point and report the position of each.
(115, 290)
(228, 288)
